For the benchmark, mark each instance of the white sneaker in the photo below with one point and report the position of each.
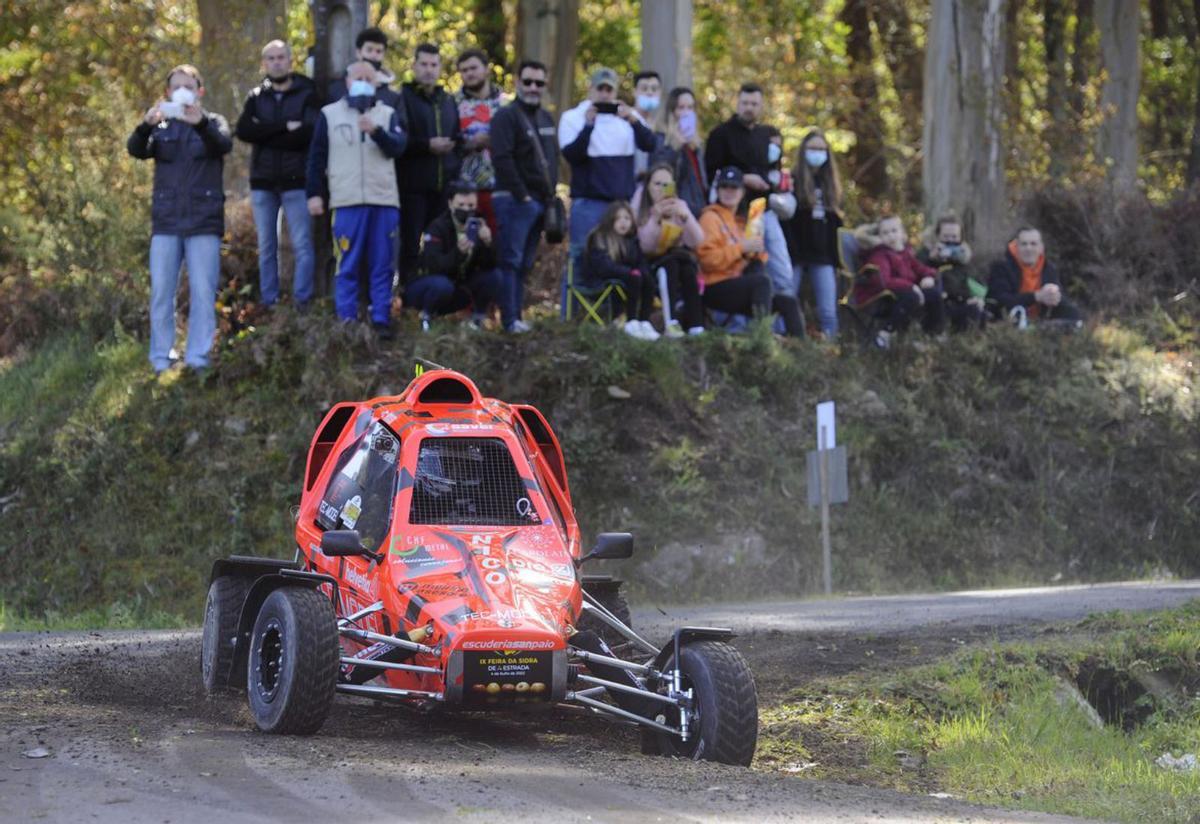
(696, 330)
(519, 327)
(674, 330)
(883, 339)
(633, 328)
(648, 330)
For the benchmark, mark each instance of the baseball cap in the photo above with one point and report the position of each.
(729, 176)
(604, 75)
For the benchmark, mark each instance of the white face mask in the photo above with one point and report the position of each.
(774, 152)
(361, 88)
(183, 96)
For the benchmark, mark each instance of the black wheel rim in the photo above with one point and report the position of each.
(268, 656)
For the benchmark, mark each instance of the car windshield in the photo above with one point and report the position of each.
(469, 481)
(360, 493)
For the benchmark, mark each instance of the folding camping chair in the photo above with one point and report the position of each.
(593, 299)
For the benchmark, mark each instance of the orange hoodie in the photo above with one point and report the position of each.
(1031, 276)
(720, 252)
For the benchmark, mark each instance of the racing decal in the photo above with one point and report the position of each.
(507, 674)
(351, 510)
(415, 604)
(418, 561)
(469, 566)
(514, 643)
(328, 514)
(359, 580)
(434, 591)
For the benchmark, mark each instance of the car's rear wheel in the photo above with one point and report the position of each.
(293, 664)
(612, 599)
(222, 608)
(723, 721)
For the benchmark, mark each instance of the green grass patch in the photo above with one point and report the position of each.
(998, 725)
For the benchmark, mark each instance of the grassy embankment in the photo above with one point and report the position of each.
(1001, 459)
(999, 724)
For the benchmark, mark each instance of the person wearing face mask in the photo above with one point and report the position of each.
(432, 159)
(680, 147)
(916, 287)
(188, 145)
(755, 148)
(1024, 280)
(370, 46)
(647, 97)
(351, 168)
(457, 262)
(812, 230)
(946, 251)
(525, 154)
(277, 120)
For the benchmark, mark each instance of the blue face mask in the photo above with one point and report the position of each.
(816, 158)
(647, 103)
(774, 152)
(361, 88)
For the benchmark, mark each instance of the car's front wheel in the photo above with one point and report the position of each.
(293, 664)
(723, 721)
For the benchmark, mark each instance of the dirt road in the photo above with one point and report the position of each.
(128, 735)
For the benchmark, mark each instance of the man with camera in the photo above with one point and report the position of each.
(457, 262)
(598, 138)
(350, 168)
(1025, 281)
(947, 252)
(525, 156)
(277, 121)
(188, 146)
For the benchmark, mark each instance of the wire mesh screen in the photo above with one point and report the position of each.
(468, 481)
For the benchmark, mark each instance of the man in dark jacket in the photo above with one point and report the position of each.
(523, 184)
(746, 143)
(457, 262)
(1024, 280)
(431, 160)
(188, 145)
(278, 121)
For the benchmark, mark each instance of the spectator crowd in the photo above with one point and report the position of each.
(437, 202)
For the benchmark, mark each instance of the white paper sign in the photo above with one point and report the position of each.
(827, 420)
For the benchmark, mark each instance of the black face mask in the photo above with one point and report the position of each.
(378, 64)
(463, 215)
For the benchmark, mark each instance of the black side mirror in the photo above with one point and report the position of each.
(337, 542)
(610, 546)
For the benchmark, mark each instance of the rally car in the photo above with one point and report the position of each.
(437, 563)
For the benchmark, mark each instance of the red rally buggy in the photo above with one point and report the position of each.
(437, 563)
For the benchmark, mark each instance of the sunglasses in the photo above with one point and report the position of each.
(604, 87)
(529, 81)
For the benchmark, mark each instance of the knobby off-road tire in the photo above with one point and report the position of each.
(294, 653)
(612, 599)
(226, 595)
(726, 701)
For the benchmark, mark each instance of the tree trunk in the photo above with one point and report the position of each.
(667, 41)
(1054, 36)
(1193, 167)
(964, 74)
(904, 62)
(232, 34)
(867, 157)
(1081, 55)
(491, 27)
(548, 30)
(1119, 22)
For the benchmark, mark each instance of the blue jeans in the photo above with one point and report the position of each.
(824, 286)
(518, 228)
(167, 254)
(266, 205)
(586, 214)
(779, 262)
(364, 232)
(439, 295)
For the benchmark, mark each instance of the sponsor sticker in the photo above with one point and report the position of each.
(507, 644)
(351, 510)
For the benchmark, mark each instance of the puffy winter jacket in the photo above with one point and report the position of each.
(279, 158)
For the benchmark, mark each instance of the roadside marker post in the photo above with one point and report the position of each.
(827, 481)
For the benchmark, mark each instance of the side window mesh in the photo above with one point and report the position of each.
(469, 481)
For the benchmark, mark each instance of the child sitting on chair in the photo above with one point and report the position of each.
(914, 285)
(612, 253)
